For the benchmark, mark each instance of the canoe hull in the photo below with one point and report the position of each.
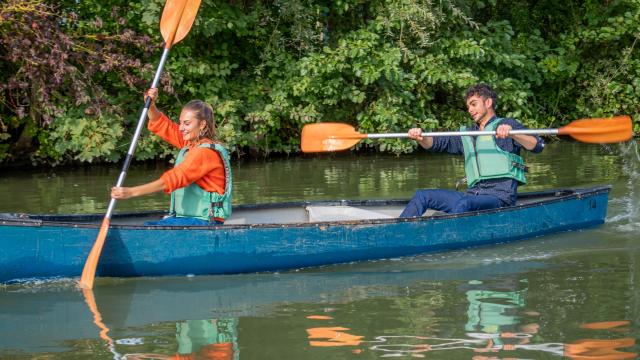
(50, 249)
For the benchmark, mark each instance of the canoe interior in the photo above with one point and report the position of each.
(283, 213)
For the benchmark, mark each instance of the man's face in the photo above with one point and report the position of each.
(479, 108)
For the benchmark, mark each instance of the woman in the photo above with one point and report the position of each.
(200, 183)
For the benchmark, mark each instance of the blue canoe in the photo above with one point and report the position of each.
(272, 237)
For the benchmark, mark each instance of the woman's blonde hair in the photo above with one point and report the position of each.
(203, 112)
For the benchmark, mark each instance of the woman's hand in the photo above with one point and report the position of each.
(121, 192)
(144, 189)
(154, 114)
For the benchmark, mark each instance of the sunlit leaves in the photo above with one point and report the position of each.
(269, 67)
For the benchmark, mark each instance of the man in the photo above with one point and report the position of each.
(492, 163)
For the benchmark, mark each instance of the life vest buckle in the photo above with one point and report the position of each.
(522, 167)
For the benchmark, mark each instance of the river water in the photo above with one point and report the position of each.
(569, 295)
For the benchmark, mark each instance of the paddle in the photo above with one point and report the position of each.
(323, 137)
(176, 21)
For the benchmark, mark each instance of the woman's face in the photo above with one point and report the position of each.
(190, 126)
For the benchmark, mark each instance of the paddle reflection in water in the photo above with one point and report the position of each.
(90, 299)
(211, 339)
(328, 336)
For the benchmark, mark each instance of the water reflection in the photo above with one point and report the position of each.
(210, 339)
(483, 349)
(499, 325)
(493, 311)
(329, 336)
(457, 305)
(90, 300)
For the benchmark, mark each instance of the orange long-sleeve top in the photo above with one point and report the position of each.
(201, 165)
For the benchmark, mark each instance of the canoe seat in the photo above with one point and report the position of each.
(342, 213)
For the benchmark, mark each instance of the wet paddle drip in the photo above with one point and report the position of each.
(627, 219)
(38, 285)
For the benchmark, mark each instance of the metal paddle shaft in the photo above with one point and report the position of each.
(465, 133)
(136, 135)
(177, 19)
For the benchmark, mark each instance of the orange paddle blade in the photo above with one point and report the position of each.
(177, 18)
(321, 137)
(89, 271)
(599, 130)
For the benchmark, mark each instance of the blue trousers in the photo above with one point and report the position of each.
(449, 201)
(180, 221)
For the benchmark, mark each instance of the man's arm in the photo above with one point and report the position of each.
(440, 144)
(529, 142)
(424, 141)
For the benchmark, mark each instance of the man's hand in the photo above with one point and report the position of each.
(502, 132)
(415, 134)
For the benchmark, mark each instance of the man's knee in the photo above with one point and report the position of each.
(475, 203)
(417, 204)
(462, 205)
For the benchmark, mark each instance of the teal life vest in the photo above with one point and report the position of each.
(484, 159)
(194, 201)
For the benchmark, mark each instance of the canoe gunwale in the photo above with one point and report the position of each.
(556, 195)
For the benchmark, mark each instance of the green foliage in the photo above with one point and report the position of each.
(86, 138)
(269, 67)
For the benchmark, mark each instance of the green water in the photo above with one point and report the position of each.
(569, 295)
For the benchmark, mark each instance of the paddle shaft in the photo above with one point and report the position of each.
(456, 133)
(88, 273)
(136, 135)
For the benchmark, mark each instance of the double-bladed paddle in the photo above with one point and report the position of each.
(177, 19)
(324, 137)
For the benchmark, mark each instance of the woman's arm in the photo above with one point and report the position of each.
(129, 192)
